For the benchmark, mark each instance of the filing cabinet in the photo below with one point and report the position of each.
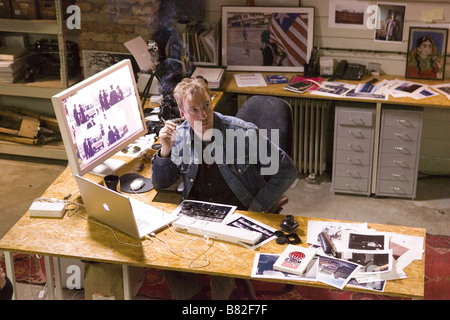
(398, 154)
(353, 150)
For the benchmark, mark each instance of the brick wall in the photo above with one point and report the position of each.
(107, 24)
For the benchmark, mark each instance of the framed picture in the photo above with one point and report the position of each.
(427, 49)
(267, 38)
(392, 21)
(96, 61)
(349, 14)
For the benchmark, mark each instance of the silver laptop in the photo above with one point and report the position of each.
(126, 214)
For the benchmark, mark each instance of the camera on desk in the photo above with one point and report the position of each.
(289, 224)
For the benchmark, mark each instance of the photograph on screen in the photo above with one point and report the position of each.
(100, 115)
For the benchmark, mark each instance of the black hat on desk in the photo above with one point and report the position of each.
(128, 178)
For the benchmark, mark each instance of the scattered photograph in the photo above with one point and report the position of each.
(443, 89)
(371, 262)
(240, 221)
(333, 229)
(263, 268)
(375, 285)
(369, 241)
(335, 272)
(207, 211)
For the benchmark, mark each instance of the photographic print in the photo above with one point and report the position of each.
(427, 49)
(96, 61)
(371, 262)
(267, 38)
(347, 14)
(392, 20)
(443, 89)
(335, 272)
(263, 268)
(207, 211)
(369, 241)
(240, 221)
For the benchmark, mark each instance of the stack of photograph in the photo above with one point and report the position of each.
(354, 256)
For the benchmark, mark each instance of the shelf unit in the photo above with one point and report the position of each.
(40, 88)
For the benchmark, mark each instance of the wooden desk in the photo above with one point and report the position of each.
(438, 101)
(75, 237)
(312, 118)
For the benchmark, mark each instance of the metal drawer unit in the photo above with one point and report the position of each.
(398, 156)
(353, 150)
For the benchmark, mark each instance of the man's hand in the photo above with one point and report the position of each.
(2, 278)
(167, 138)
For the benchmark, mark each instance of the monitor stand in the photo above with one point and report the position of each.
(110, 166)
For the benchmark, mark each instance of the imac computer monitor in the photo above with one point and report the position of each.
(98, 117)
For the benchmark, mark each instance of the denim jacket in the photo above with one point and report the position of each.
(241, 168)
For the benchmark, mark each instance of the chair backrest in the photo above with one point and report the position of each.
(268, 112)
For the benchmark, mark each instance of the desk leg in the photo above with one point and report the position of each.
(9, 263)
(49, 275)
(126, 282)
(58, 278)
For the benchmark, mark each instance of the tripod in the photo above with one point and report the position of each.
(148, 86)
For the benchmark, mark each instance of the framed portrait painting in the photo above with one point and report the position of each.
(427, 48)
(267, 38)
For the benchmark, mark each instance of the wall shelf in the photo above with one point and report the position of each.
(40, 88)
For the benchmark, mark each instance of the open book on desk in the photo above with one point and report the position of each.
(302, 84)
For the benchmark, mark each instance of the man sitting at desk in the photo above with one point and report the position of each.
(222, 159)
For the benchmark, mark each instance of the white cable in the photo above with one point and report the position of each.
(185, 250)
(78, 205)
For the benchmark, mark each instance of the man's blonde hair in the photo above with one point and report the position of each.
(189, 87)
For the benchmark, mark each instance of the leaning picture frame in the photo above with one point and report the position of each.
(267, 38)
(427, 49)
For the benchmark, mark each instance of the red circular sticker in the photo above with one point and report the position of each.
(296, 256)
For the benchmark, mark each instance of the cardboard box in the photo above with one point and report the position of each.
(47, 9)
(25, 9)
(5, 9)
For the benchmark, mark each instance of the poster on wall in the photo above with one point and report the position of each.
(267, 38)
(427, 49)
(391, 22)
(347, 14)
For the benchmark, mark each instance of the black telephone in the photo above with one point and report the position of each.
(349, 71)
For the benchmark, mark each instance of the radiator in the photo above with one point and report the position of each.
(310, 132)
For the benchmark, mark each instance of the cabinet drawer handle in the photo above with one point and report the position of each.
(355, 148)
(352, 161)
(352, 186)
(405, 123)
(353, 174)
(401, 163)
(357, 121)
(403, 136)
(396, 175)
(402, 150)
(358, 134)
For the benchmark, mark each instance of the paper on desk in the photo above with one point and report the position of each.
(250, 80)
(333, 89)
(263, 268)
(333, 229)
(138, 146)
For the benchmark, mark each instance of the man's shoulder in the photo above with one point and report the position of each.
(231, 122)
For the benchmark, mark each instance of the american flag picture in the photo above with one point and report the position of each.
(290, 32)
(267, 38)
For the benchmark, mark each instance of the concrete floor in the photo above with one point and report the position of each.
(24, 179)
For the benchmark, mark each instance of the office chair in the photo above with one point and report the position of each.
(268, 112)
